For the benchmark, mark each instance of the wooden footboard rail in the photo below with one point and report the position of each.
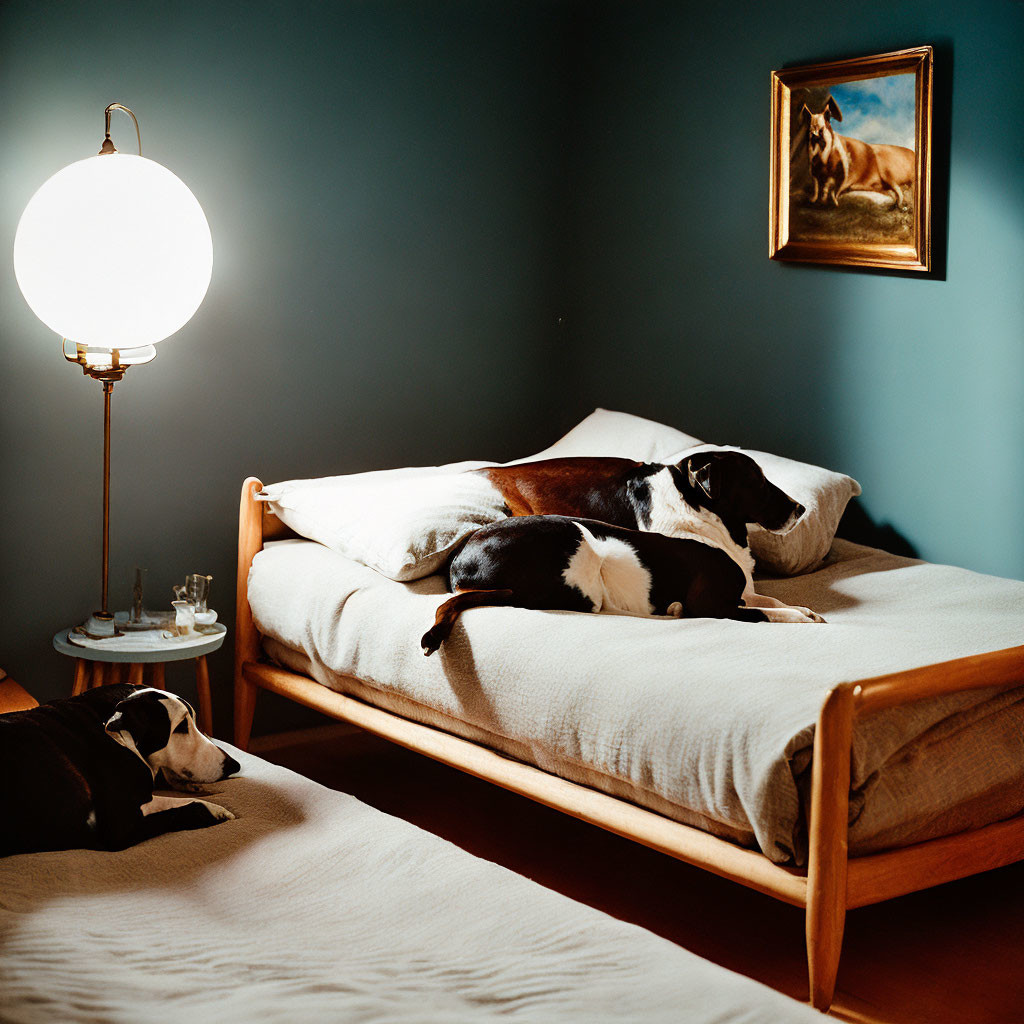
(833, 882)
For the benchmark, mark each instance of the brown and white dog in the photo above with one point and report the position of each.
(635, 538)
(840, 164)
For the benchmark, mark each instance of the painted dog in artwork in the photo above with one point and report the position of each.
(840, 164)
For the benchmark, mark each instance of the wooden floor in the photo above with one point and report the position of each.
(954, 953)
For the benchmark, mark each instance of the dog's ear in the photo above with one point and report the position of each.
(832, 109)
(701, 474)
(805, 112)
(140, 722)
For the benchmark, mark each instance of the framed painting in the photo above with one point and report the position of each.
(851, 162)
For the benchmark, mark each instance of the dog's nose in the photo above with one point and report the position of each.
(230, 766)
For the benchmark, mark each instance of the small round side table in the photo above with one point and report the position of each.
(108, 665)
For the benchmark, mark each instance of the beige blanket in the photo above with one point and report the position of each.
(710, 722)
(312, 907)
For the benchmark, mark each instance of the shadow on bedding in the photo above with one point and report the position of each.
(821, 588)
(459, 668)
(175, 861)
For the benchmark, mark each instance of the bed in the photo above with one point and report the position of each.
(831, 767)
(311, 906)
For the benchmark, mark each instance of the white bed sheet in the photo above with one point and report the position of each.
(707, 721)
(313, 907)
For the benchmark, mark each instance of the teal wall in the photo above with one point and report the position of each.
(449, 229)
(914, 386)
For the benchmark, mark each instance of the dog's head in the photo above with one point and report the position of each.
(732, 486)
(819, 126)
(161, 728)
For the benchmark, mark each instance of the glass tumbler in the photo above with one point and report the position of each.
(197, 590)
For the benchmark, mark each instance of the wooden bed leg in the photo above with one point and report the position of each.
(247, 638)
(828, 828)
(245, 708)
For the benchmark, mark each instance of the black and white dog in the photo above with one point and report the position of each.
(690, 557)
(79, 773)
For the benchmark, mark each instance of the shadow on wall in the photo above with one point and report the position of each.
(858, 526)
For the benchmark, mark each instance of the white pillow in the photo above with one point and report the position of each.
(402, 522)
(823, 494)
(406, 522)
(618, 434)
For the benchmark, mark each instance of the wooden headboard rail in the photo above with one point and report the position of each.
(256, 525)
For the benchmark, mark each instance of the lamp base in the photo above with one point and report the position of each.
(99, 626)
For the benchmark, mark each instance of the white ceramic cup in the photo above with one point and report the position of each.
(184, 617)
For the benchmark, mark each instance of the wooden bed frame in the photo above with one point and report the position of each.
(831, 884)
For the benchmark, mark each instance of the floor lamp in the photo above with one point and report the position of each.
(113, 253)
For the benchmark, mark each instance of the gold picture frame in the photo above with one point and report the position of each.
(863, 199)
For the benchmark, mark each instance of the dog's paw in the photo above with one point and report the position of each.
(429, 643)
(810, 615)
(215, 811)
(791, 614)
(801, 614)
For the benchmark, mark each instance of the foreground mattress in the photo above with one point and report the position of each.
(311, 906)
(709, 722)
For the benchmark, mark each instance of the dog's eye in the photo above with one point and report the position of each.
(182, 726)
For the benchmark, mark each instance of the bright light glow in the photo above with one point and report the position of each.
(114, 252)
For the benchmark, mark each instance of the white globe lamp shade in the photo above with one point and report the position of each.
(114, 252)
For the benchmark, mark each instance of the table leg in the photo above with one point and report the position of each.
(97, 674)
(135, 674)
(158, 675)
(203, 690)
(80, 685)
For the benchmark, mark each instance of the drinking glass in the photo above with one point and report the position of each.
(197, 590)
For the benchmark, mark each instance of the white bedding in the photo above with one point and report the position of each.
(312, 907)
(710, 722)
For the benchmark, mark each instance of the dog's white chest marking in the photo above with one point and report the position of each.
(609, 574)
(673, 516)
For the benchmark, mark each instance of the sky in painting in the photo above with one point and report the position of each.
(877, 110)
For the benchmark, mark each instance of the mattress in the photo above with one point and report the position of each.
(710, 722)
(311, 906)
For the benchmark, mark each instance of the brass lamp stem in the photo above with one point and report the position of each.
(108, 387)
(105, 366)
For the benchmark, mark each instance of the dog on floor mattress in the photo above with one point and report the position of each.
(633, 538)
(79, 773)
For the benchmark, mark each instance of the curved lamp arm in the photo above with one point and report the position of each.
(108, 146)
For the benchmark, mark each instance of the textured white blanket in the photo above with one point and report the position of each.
(707, 721)
(312, 907)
